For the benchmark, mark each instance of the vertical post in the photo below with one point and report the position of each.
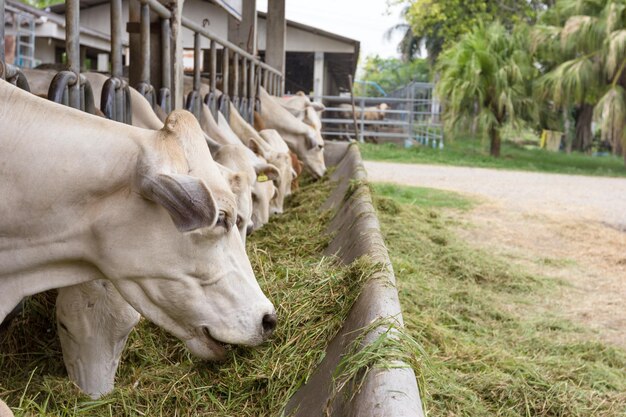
(276, 35)
(362, 105)
(213, 61)
(356, 128)
(134, 42)
(144, 32)
(166, 60)
(243, 34)
(3, 69)
(244, 78)
(318, 76)
(177, 36)
(225, 71)
(72, 47)
(116, 38)
(197, 61)
(252, 92)
(236, 75)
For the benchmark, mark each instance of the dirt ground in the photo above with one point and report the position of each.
(568, 227)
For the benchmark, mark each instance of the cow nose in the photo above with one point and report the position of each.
(269, 324)
(249, 229)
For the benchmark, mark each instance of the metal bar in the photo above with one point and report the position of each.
(166, 54)
(189, 24)
(244, 78)
(252, 92)
(197, 61)
(116, 38)
(2, 58)
(213, 63)
(158, 8)
(236, 75)
(72, 48)
(225, 71)
(145, 43)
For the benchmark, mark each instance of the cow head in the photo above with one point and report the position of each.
(263, 192)
(275, 151)
(93, 323)
(304, 140)
(175, 253)
(241, 187)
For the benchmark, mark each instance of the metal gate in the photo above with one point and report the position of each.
(407, 116)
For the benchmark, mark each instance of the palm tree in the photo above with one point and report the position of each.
(409, 45)
(486, 76)
(591, 41)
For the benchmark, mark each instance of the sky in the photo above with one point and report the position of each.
(363, 20)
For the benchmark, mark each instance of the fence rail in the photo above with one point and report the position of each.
(410, 115)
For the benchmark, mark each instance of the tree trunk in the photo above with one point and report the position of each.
(584, 116)
(567, 134)
(494, 136)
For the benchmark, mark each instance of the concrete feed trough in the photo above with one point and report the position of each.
(383, 392)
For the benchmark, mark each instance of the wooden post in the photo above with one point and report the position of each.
(134, 43)
(276, 35)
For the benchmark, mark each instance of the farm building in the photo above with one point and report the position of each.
(316, 61)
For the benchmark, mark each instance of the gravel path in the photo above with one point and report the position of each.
(592, 198)
(568, 227)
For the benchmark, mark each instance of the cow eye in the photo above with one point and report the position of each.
(222, 219)
(239, 222)
(320, 146)
(275, 193)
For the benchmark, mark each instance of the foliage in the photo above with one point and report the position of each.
(490, 352)
(469, 151)
(391, 74)
(486, 78)
(437, 24)
(583, 43)
(41, 3)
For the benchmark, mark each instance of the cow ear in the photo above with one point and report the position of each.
(311, 140)
(256, 147)
(266, 172)
(214, 146)
(297, 113)
(186, 198)
(318, 107)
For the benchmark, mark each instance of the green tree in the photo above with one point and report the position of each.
(589, 37)
(437, 24)
(486, 78)
(391, 73)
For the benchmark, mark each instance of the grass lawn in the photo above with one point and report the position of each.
(488, 353)
(471, 152)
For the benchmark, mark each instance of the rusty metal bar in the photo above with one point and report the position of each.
(72, 48)
(197, 61)
(252, 91)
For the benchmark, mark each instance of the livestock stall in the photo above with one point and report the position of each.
(345, 380)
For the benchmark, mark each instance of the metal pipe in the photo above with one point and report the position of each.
(158, 8)
(72, 48)
(144, 31)
(236, 75)
(116, 38)
(166, 54)
(189, 24)
(225, 71)
(2, 58)
(213, 63)
(197, 61)
(244, 78)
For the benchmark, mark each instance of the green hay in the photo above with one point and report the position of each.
(157, 376)
(489, 353)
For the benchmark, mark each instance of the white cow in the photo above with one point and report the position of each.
(5, 411)
(305, 141)
(149, 211)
